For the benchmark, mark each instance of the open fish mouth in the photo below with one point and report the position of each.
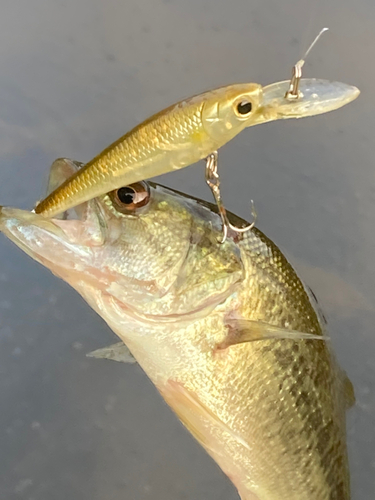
(43, 240)
(64, 244)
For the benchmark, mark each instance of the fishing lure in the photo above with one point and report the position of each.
(192, 130)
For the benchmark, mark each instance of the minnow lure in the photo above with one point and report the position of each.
(191, 130)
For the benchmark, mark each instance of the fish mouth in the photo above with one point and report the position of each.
(15, 220)
(56, 244)
(31, 233)
(315, 97)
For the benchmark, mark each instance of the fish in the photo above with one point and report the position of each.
(231, 337)
(189, 131)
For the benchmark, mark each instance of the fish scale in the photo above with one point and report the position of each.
(320, 383)
(273, 390)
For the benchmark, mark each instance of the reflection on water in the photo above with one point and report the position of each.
(76, 75)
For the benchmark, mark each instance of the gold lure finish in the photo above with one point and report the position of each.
(190, 131)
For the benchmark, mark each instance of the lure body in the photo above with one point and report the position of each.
(188, 132)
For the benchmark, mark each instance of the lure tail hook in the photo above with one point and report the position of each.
(213, 182)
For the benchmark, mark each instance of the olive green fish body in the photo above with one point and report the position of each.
(271, 413)
(211, 324)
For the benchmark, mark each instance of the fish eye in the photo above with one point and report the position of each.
(126, 195)
(128, 198)
(243, 107)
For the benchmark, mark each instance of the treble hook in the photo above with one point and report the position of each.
(293, 92)
(213, 182)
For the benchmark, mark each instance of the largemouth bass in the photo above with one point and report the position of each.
(228, 333)
(189, 131)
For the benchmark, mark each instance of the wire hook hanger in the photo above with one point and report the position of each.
(293, 92)
(213, 182)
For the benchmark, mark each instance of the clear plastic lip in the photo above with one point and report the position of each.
(316, 97)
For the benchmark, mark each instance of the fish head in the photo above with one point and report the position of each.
(228, 110)
(153, 251)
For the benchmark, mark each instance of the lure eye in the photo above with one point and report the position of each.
(243, 108)
(128, 198)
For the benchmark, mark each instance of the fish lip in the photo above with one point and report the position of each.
(15, 224)
(317, 97)
(9, 214)
(20, 227)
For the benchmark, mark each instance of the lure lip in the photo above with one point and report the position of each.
(316, 97)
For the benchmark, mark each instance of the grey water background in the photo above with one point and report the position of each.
(74, 76)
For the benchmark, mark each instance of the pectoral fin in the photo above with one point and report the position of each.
(116, 352)
(245, 330)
